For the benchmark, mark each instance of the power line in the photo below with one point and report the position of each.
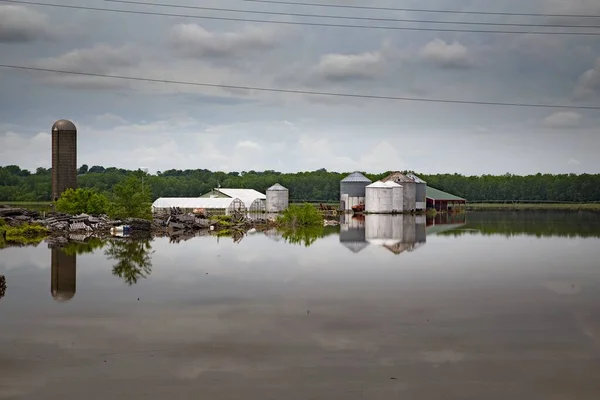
(293, 91)
(398, 28)
(346, 17)
(422, 10)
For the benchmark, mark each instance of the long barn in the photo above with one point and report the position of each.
(442, 201)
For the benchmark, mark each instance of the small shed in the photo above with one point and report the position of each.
(247, 196)
(214, 206)
(442, 201)
(277, 198)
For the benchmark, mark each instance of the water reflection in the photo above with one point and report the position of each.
(133, 259)
(63, 275)
(2, 286)
(396, 233)
(445, 222)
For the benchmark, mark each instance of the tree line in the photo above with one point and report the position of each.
(18, 184)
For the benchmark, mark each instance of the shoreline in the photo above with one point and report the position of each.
(592, 207)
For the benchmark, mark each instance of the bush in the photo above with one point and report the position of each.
(301, 216)
(78, 201)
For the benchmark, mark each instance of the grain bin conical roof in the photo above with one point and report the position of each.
(277, 187)
(356, 177)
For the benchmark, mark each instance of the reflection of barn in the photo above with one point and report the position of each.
(442, 201)
(352, 232)
(445, 222)
(64, 275)
(212, 206)
(253, 200)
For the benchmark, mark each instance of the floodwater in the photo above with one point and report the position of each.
(482, 306)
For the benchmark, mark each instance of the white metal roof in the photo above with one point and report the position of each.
(415, 178)
(379, 184)
(243, 194)
(277, 187)
(193, 202)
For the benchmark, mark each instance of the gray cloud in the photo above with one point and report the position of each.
(347, 67)
(588, 85)
(446, 55)
(22, 24)
(563, 119)
(194, 40)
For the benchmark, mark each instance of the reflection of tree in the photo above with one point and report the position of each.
(2, 286)
(133, 258)
(89, 246)
(308, 235)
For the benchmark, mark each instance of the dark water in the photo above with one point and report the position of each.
(482, 306)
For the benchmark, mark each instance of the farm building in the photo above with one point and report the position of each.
(352, 232)
(414, 190)
(352, 191)
(253, 200)
(383, 198)
(442, 201)
(212, 206)
(277, 198)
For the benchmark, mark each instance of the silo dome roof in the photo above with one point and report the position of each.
(356, 177)
(63, 125)
(277, 187)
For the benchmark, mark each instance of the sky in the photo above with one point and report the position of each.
(162, 126)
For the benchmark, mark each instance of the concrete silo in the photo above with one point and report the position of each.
(379, 198)
(64, 157)
(352, 191)
(277, 198)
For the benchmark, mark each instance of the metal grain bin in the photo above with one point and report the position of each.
(420, 192)
(410, 189)
(277, 198)
(352, 190)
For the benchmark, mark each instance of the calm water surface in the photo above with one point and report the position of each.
(487, 306)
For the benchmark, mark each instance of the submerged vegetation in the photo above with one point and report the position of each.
(26, 234)
(300, 216)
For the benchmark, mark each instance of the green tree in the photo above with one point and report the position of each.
(77, 201)
(131, 200)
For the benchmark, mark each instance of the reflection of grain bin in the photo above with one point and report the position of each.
(64, 275)
(64, 157)
(383, 230)
(278, 198)
(352, 190)
(352, 233)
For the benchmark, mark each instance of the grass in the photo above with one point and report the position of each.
(30, 205)
(25, 234)
(533, 207)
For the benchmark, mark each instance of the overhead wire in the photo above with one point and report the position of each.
(291, 14)
(301, 92)
(421, 10)
(397, 28)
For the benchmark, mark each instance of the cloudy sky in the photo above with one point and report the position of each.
(161, 126)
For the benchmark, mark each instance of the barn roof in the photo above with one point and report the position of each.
(436, 194)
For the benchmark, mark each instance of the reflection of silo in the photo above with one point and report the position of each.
(409, 233)
(420, 192)
(352, 190)
(383, 230)
(352, 233)
(64, 275)
(64, 157)
(420, 229)
(277, 198)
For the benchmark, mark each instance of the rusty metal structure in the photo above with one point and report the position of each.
(64, 157)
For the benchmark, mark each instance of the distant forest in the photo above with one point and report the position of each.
(321, 185)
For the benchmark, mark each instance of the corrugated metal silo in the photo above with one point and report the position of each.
(379, 198)
(410, 189)
(420, 192)
(64, 157)
(352, 190)
(277, 198)
(397, 196)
